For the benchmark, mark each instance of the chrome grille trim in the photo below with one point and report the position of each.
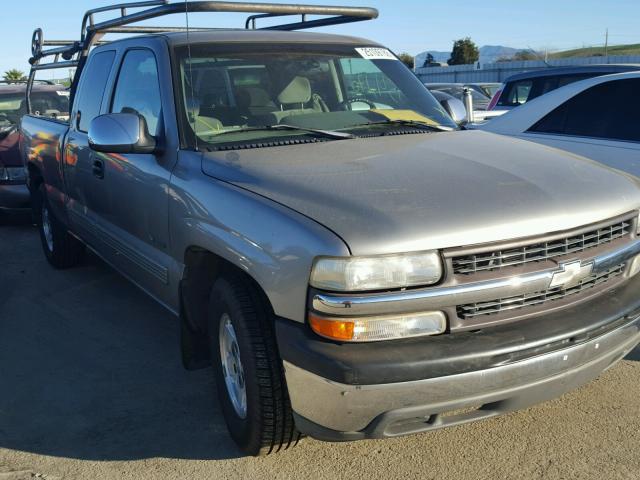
(439, 297)
(492, 307)
(540, 251)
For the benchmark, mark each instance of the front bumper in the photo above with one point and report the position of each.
(14, 197)
(468, 376)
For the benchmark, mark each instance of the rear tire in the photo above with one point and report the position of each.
(248, 369)
(61, 248)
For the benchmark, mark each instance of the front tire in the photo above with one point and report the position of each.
(248, 370)
(60, 247)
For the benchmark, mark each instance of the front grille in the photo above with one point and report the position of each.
(500, 305)
(541, 251)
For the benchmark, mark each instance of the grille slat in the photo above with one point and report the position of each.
(496, 306)
(539, 252)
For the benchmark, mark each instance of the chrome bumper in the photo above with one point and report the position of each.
(333, 411)
(439, 297)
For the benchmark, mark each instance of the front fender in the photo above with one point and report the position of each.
(273, 244)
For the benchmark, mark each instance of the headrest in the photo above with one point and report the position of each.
(298, 91)
(254, 97)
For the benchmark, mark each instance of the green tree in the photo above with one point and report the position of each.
(429, 61)
(464, 52)
(406, 59)
(524, 55)
(14, 75)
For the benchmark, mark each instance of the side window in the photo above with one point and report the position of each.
(138, 88)
(517, 93)
(94, 81)
(603, 111)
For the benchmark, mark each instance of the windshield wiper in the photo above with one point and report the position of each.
(281, 126)
(407, 123)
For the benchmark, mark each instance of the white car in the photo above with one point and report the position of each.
(597, 118)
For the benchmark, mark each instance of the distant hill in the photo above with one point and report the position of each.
(633, 49)
(488, 54)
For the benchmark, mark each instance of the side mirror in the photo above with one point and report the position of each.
(456, 109)
(121, 133)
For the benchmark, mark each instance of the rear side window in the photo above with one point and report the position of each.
(516, 93)
(94, 81)
(138, 88)
(604, 111)
(521, 91)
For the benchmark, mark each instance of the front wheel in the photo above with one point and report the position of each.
(60, 247)
(248, 370)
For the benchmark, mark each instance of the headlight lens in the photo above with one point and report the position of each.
(12, 174)
(352, 274)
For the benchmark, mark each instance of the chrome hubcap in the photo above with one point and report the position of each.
(46, 228)
(232, 366)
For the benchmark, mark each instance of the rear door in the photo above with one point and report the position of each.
(599, 123)
(87, 197)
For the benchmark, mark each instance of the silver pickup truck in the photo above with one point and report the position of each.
(349, 261)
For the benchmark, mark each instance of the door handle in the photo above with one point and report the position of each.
(98, 168)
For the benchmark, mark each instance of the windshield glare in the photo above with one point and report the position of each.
(234, 89)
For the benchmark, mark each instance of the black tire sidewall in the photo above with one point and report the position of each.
(245, 432)
(41, 200)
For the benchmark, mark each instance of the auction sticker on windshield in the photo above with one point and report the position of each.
(374, 53)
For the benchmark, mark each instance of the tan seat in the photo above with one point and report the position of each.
(296, 99)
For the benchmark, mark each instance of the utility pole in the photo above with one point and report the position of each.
(606, 42)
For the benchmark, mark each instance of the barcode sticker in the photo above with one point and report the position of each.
(376, 53)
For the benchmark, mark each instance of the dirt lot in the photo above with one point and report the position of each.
(91, 386)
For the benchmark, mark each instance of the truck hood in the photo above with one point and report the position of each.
(432, 190)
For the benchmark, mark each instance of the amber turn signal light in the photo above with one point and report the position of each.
(334, 329)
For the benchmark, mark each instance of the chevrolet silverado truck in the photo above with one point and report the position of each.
(350, 262)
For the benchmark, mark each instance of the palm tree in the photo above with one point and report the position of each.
(14, 75)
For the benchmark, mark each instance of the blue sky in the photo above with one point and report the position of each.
(404, 25)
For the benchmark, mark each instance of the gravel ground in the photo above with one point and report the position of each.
(91, 386)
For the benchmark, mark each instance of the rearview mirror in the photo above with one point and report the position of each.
(120, 133)
(456, 109)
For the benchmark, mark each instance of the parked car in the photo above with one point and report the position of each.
(523, 87)
(480, 100)
(14, 195)
(596, 118)
(488, 88)
(348, 272)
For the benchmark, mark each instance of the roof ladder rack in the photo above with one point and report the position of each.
(70, 53)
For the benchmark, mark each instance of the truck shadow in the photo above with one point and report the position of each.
(90, 367)
(634, 355)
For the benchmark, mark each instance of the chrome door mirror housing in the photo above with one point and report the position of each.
(456, 109)
(121, 133)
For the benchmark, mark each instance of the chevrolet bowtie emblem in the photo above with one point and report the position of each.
(570, 274)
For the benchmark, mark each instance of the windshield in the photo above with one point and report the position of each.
(54, 103)
(231, 94)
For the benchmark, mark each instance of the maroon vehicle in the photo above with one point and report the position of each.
(49, 100)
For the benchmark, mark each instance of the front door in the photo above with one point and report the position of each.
(137, 220)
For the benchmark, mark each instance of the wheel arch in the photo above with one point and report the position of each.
(202, 267)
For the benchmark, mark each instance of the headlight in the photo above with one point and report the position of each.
(352, 274)
(12, 174)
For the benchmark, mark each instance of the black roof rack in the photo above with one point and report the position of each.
(73, 53)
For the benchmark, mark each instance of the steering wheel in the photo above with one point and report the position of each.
(348, 104)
